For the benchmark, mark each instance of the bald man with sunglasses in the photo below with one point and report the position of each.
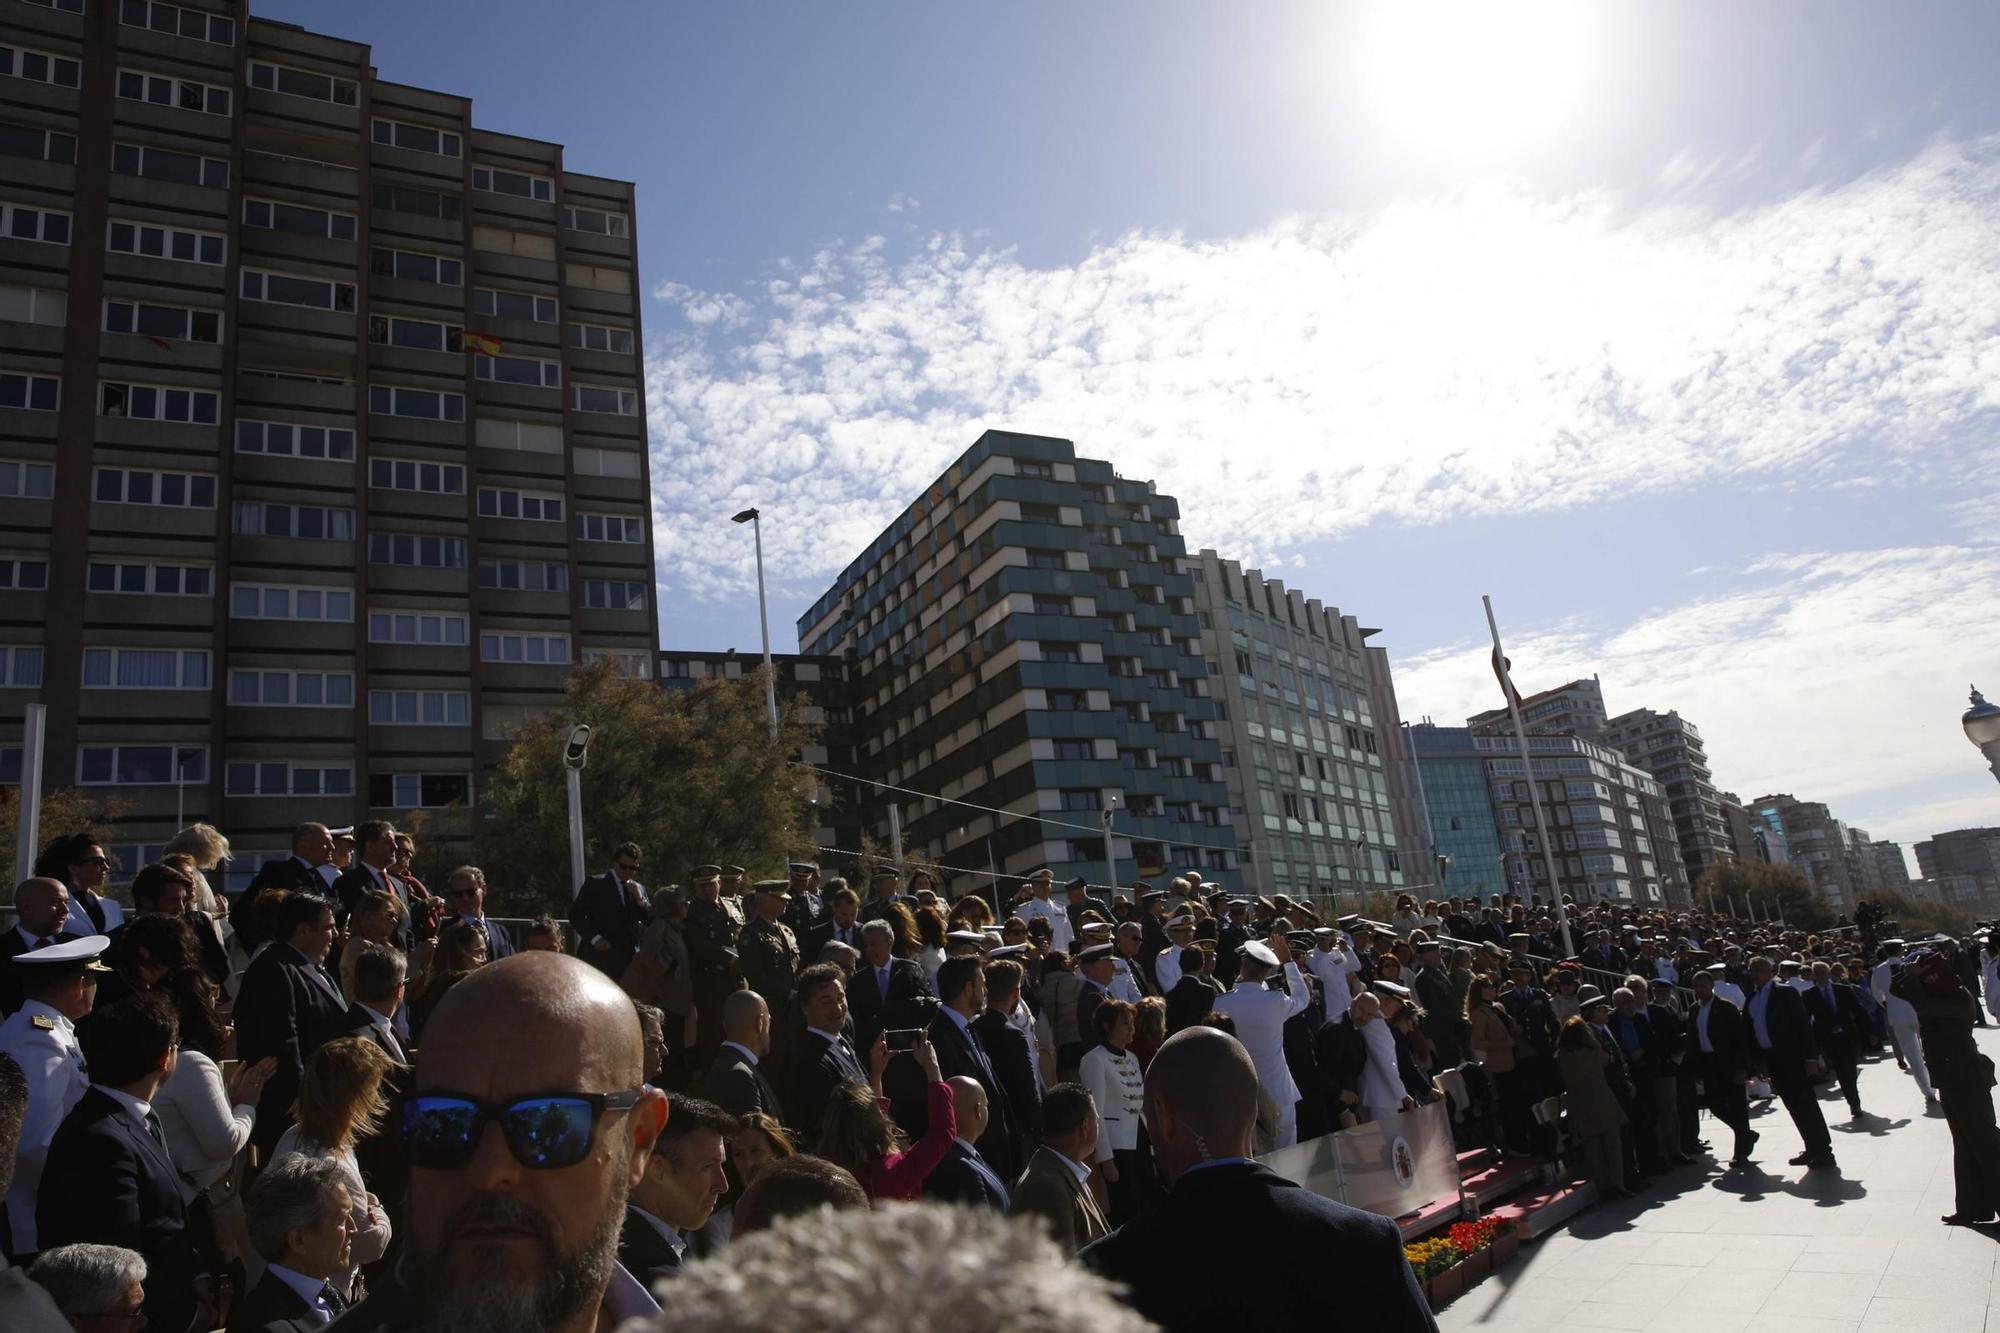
(527, 1128)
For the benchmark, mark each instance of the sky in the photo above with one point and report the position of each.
(1671, 327)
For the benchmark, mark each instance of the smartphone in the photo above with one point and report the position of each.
(902, 1039)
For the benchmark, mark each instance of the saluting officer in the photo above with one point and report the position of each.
(732, 890)
(711, 931)
(805, 909)
(58, 987)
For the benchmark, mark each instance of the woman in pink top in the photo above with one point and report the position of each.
(857, 1133)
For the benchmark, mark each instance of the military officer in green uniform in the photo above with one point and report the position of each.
(713, 924)
(767, 947)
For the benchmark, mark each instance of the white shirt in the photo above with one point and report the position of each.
(311, 1290)
(1061, 934)
(53, 1063)
(1022, 1020)
(1989, 981)
(1123, 985)
(134, 1107)
(1381, 1086)
(1900, 1012)
(1730, 991)
(1167, 968)
(1260, 1016)
(385, 1028)
(1760, 1004)
(1333, 967)
(1078, 1169)
(1701, 1027)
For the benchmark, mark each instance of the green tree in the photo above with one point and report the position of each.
(65, 810)
(1765, 890)
(689, 775)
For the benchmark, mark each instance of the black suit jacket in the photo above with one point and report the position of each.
(1839, 1027)
(817, 1065)
(282, 1010)
(644, 1251)
(819, 933)
(1786, 1023)
(499, 943)
(273, 1307)
(1014, 1064)
(602, 907)
(739, 1087)
(1253, 1220)
(13, 946)
(1190, 1001)
(963, 1177)
(25, 1307)
(959, 1055)
(1727, 1038)
(871, 1013)
(116, 1186)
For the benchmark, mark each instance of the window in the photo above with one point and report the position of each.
(157, 242)
(288, 601)
(163, 321)
(37, 393)
(1083, 799)
(599, 278)
(260, 518)
(528, 437)
(26, 575)
(297, 289)
(416, 266)
(1075, 749)
(518, 370)
(166, 90)
(610, 528)
(597, 222)
(1061, 652)
(285, 439)
(513, 305)
(145, 669)
(242, 777)
(614, 595)
(591, 462)
(175, 490)
(421, 335)
(159, 402)
(415, 791)
(538, 505)
(523, 576)
(520, 244)
(419, 708)
(158, 164)
(433, 628)
(67, 6)
(601, 398)
(40, 67)
(34, 224)
(27, 481)
(390, 400)
(535, 648)
(191, 23)
(514, 183)
(407, 548)
(21, 667)
(151, 580)
(421, 203)
(291, 689)
(301, 83)
(600, 338)
(416, 138)
(39, 144)
(637, 666)
(140, 765)
(404, 474)
(33, 305)
(320, 223)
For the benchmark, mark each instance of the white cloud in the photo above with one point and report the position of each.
(1838, 678)
(1491, 352)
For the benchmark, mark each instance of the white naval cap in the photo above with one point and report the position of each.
(82, 952)
(1259, 952)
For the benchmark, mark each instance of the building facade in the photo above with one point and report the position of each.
(1451, 777)
(1669, 747)
(322, 451)
(1891, 869)
(1818, 845)
(1024, 668)
(1305, 712)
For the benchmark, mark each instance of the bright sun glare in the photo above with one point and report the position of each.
(1451, 77)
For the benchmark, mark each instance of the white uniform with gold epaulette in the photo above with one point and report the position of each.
(44, 1044)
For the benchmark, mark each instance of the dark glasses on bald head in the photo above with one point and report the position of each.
(545, 1132)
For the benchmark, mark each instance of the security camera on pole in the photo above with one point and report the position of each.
(574, 754)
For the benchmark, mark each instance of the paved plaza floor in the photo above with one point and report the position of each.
(1709, 1250)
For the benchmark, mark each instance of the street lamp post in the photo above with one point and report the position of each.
(1982, 728)
(763, 619)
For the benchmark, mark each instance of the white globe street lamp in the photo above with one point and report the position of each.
(1982, 728)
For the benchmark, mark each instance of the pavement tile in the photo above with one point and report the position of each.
(1939, 1316)
(1605, 1314)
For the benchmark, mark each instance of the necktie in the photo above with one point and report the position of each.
(156, 1129)
(331, 1300)
(43, 942)
(882, 980)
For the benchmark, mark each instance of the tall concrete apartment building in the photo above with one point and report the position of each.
(1312, 749)
(1022, 660)
(1818, 844)
(1961, 869)
(322, 450)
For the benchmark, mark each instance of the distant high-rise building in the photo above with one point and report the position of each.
(1669, 747)
(1817, 844)
(1022, 661)
(1310, 748)
(1451, 777)
(1890, 867)
(324, 441)
(1961, 869)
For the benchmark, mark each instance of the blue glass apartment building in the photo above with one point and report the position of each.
(1452, 776)
(1022, 660)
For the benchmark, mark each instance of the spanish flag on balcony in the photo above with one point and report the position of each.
(482, 342)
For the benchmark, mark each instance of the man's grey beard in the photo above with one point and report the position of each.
(506, 1300)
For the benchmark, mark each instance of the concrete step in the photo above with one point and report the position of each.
(1541, 1211)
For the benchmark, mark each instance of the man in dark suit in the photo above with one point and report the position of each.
(841, 921)
(1193, 996)
(1603, 955)
(466, 892)
(1230, 937)
(1077, 900)
(309, 868)
(1007, 1048)
(1781, 1029)
(118, 1186)
(736, 1081)
(963, 1177)
(300, 1220)
(884, 989)
(24, 1306)
(882, 882)
(1839, 1023)
(1716, 1046)
(374, 854)
(380, 974)
(822, 1056)
(678, 1189)
(608, 915)
(41, 918)
(1201, 1101)
(285, 1005)
(962, 993)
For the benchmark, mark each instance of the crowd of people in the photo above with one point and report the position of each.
(270, 1113)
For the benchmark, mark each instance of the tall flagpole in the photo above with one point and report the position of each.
(1528, 771)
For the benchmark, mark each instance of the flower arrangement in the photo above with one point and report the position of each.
(1472, 1237)
(1428, 1258)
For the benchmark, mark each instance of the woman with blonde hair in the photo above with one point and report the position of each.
(759, 1140)
(340, 1103)
(904, 923)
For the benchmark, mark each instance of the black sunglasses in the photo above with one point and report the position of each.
(544, 1131)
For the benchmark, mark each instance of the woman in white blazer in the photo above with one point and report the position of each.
(1118, 1086)
(207, 1120)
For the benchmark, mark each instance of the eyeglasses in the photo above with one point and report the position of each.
(464, 893)
(545, 1132)
(94, 861)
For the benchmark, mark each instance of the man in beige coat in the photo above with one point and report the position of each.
(1056, 1185)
